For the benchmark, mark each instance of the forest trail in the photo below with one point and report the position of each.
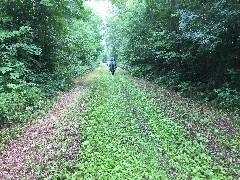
(119, 127)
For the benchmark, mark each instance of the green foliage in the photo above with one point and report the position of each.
(227, 97)
(43, 46)
(126, 135)
(111, 143)
(83, 46)
(185, 158)
(192, 45)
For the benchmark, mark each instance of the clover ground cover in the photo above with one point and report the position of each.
(125, 135)
(112, 144)
(179, 156)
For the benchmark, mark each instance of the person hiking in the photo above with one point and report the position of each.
(112, 66)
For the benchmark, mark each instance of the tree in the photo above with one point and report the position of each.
(190, 45)
(44, 44)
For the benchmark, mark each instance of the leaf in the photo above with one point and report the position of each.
(12, 86)
(46, 3)
(5, 69)
(14, 76)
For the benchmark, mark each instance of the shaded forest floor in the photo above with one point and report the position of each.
(125, 128)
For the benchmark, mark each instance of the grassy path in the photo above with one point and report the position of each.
(120, 128)
(112, 144)
(125, 135)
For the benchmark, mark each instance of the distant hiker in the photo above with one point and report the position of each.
(112, 66)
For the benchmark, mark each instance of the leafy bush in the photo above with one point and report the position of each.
(227, 98)
(43, 46)
(21, 106)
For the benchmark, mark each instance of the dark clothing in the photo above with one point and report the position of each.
(112, 66)
(113, 71)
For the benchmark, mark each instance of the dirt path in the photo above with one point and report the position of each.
(50, 140)
(40, 145)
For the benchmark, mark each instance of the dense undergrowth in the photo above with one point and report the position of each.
(126, 134)
(191, 47)
(223, 97)
(30, 103)
(40, 57)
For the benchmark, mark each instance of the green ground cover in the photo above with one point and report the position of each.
(126, 135)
